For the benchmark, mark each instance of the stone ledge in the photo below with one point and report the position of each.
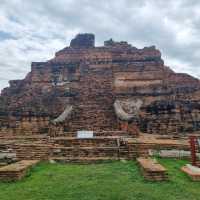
(82, 160)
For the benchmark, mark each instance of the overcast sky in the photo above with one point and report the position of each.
(33, 30)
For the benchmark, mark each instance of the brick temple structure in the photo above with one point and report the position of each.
(110, 87)
(115, 90)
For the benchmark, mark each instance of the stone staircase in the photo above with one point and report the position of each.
(87, 150)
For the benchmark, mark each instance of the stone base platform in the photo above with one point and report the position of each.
(192, 172)
(87, 150)
(16, 171)
(152, 170)
(105, 145)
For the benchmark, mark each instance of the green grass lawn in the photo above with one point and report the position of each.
(107, 181)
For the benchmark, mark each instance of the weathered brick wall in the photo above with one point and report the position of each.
(95, 99)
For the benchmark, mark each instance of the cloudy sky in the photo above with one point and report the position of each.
(33, 30)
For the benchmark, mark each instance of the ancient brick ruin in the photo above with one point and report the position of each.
(115, 90)
(82, 83)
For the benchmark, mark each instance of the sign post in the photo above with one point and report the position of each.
(193, 141)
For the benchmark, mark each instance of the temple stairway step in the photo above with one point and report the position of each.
(87, 142)
(85, 152)
(101, 133)
(83, 160)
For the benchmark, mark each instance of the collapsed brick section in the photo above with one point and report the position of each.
(91, 79)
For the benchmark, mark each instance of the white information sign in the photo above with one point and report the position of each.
(85, 134)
